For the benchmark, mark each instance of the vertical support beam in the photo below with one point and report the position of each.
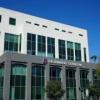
(78, 91)
(6, 85)
(63, 80)
(28, 81)
(90, 76)
(47, 77)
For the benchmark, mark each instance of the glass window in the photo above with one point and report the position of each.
(62, 49)
(70, 51)
(11, 42)
(55, 73)
(84, 80)
(1, 81)
(85, 59)
(0, 18)
(41, 46)
(38, 80)
(77, 52)
(71, 84)
(12, 21)
(51, 47)
(31, 44)
(17, 82)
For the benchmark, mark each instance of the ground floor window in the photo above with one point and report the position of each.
(38, 83)
(1, 81)
(18, 82)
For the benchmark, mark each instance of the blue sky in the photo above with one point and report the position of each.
(80, 13)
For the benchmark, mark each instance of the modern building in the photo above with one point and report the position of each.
(34, 51)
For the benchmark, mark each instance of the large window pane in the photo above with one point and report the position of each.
(17, 82)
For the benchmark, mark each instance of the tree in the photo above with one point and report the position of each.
(94, 91)
(94, 57)
(54, 90)
(98, 69)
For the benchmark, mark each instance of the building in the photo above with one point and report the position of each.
(34, 50)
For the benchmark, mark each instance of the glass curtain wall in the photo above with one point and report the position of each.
(11, 43)
(71, 84)
(38, 83)
(31, 44)
(77, 52)
(18, 82)
(51, 47)
(84, 80)
(1, 81)
(70, 51)
(62, 49)
(41, 46)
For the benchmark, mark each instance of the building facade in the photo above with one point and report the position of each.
(34, 51)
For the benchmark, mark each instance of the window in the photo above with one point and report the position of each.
(85, 55)
(44, 26)
(63, 31)
(38, 83)
(62, 49)
(12, 21)
(1, 81)
(96, 79)
(11, 43)
(70, 32)
(80, 35)
(71, 84)
(51, 47)
(70, 51)
(84, 80)
(57, 29)
(55, 73)
(28, 22)
(31, 44)
(18, 82)
(20, 41)
(41, 46)
(36, 24)
(0, 18)
(77, 52)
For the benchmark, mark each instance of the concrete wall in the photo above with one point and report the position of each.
(24, 28)
(28, 60)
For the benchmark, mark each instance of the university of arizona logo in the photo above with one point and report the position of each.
(45, 61)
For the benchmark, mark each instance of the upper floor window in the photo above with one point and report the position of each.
(36, 24)
(0, 18)
(51, 47)
(57, 29)
(85, 55)
(77, 52)
(44, 26)
(70, 51)
(41, 45)
(28, 22)
(80, 35)
(62, 49)
(12, 21)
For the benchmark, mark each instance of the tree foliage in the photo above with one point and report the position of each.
(98, 69)
(94, 91)
(54, 89)
(94, 57)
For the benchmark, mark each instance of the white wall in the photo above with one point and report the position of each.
(24, 28)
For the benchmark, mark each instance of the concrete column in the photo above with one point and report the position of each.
(28, 81)
(78, 91)
(90, 76)
(47, 77)
(6, 85)
(63, 80)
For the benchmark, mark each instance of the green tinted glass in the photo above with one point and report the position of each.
(70, 45)
(71, 93)
(12, 21)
